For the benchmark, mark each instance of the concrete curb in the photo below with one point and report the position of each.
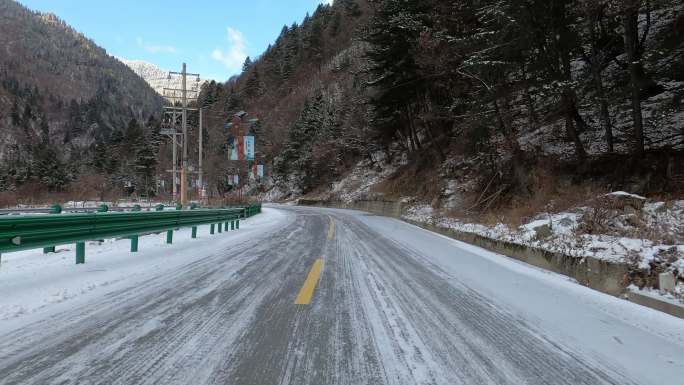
(654, 303)
(604, 276)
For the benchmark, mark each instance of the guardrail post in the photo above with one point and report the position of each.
(211, 229)
(194, 206)
(80, 253)
(237, 224)
(226, 224)
(232, 225)
(134, 244)
(169, 233)
(220, 227)
(54, 209)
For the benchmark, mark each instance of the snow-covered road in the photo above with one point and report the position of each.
(394, 304)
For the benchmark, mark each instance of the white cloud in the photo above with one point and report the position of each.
(235, 56)
(155, 48)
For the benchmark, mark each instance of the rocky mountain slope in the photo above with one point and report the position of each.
(60, 97)
(158, 78)
(308, 91)
(455, 97)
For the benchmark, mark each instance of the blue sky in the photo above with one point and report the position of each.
(212, 36)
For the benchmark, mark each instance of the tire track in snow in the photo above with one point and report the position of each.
(445, 333)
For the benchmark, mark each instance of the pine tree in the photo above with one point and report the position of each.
(15, 114)
(395, 29)
(4, 179)
(351, 7)
(291, 49)
(209, 94)
(335, 24)
(315, 39)
(50, 168)
(634, 48)
(76, 126)
(247, 64)
(603, 45)
(132, 137)
(253, 84)
(297, 155)
(146, 167)
(101, 158)
(44, 129)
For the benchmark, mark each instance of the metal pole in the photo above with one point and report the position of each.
(184, 170)
(201, 179)
(175, 159)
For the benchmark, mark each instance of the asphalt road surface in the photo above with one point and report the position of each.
(342, 297)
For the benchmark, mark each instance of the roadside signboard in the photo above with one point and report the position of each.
(249, 147)
(233, 149)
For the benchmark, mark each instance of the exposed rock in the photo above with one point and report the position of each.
(666, 282)
(621, 200)
(543, 232)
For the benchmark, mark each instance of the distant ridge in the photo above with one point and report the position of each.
(157, 77)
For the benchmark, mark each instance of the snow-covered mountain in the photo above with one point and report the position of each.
(158, 78)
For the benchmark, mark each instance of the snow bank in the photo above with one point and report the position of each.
(625, 194)
(559, 233)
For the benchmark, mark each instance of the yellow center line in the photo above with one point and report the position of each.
(305, 294)
(331, 229)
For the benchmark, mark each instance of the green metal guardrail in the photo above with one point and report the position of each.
(247, 211)
(45, 231)
(251, 210)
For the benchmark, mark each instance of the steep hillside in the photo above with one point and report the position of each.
(307, 89)
(483, 103)
(157, 78)
(61, 96)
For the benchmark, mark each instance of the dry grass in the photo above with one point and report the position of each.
(8, 199)
(549, 194)
(412, 180)
(229, 201)
(34, 194)
(596, 220)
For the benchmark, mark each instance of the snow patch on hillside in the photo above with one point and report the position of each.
(358, 183)
(158, 78)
